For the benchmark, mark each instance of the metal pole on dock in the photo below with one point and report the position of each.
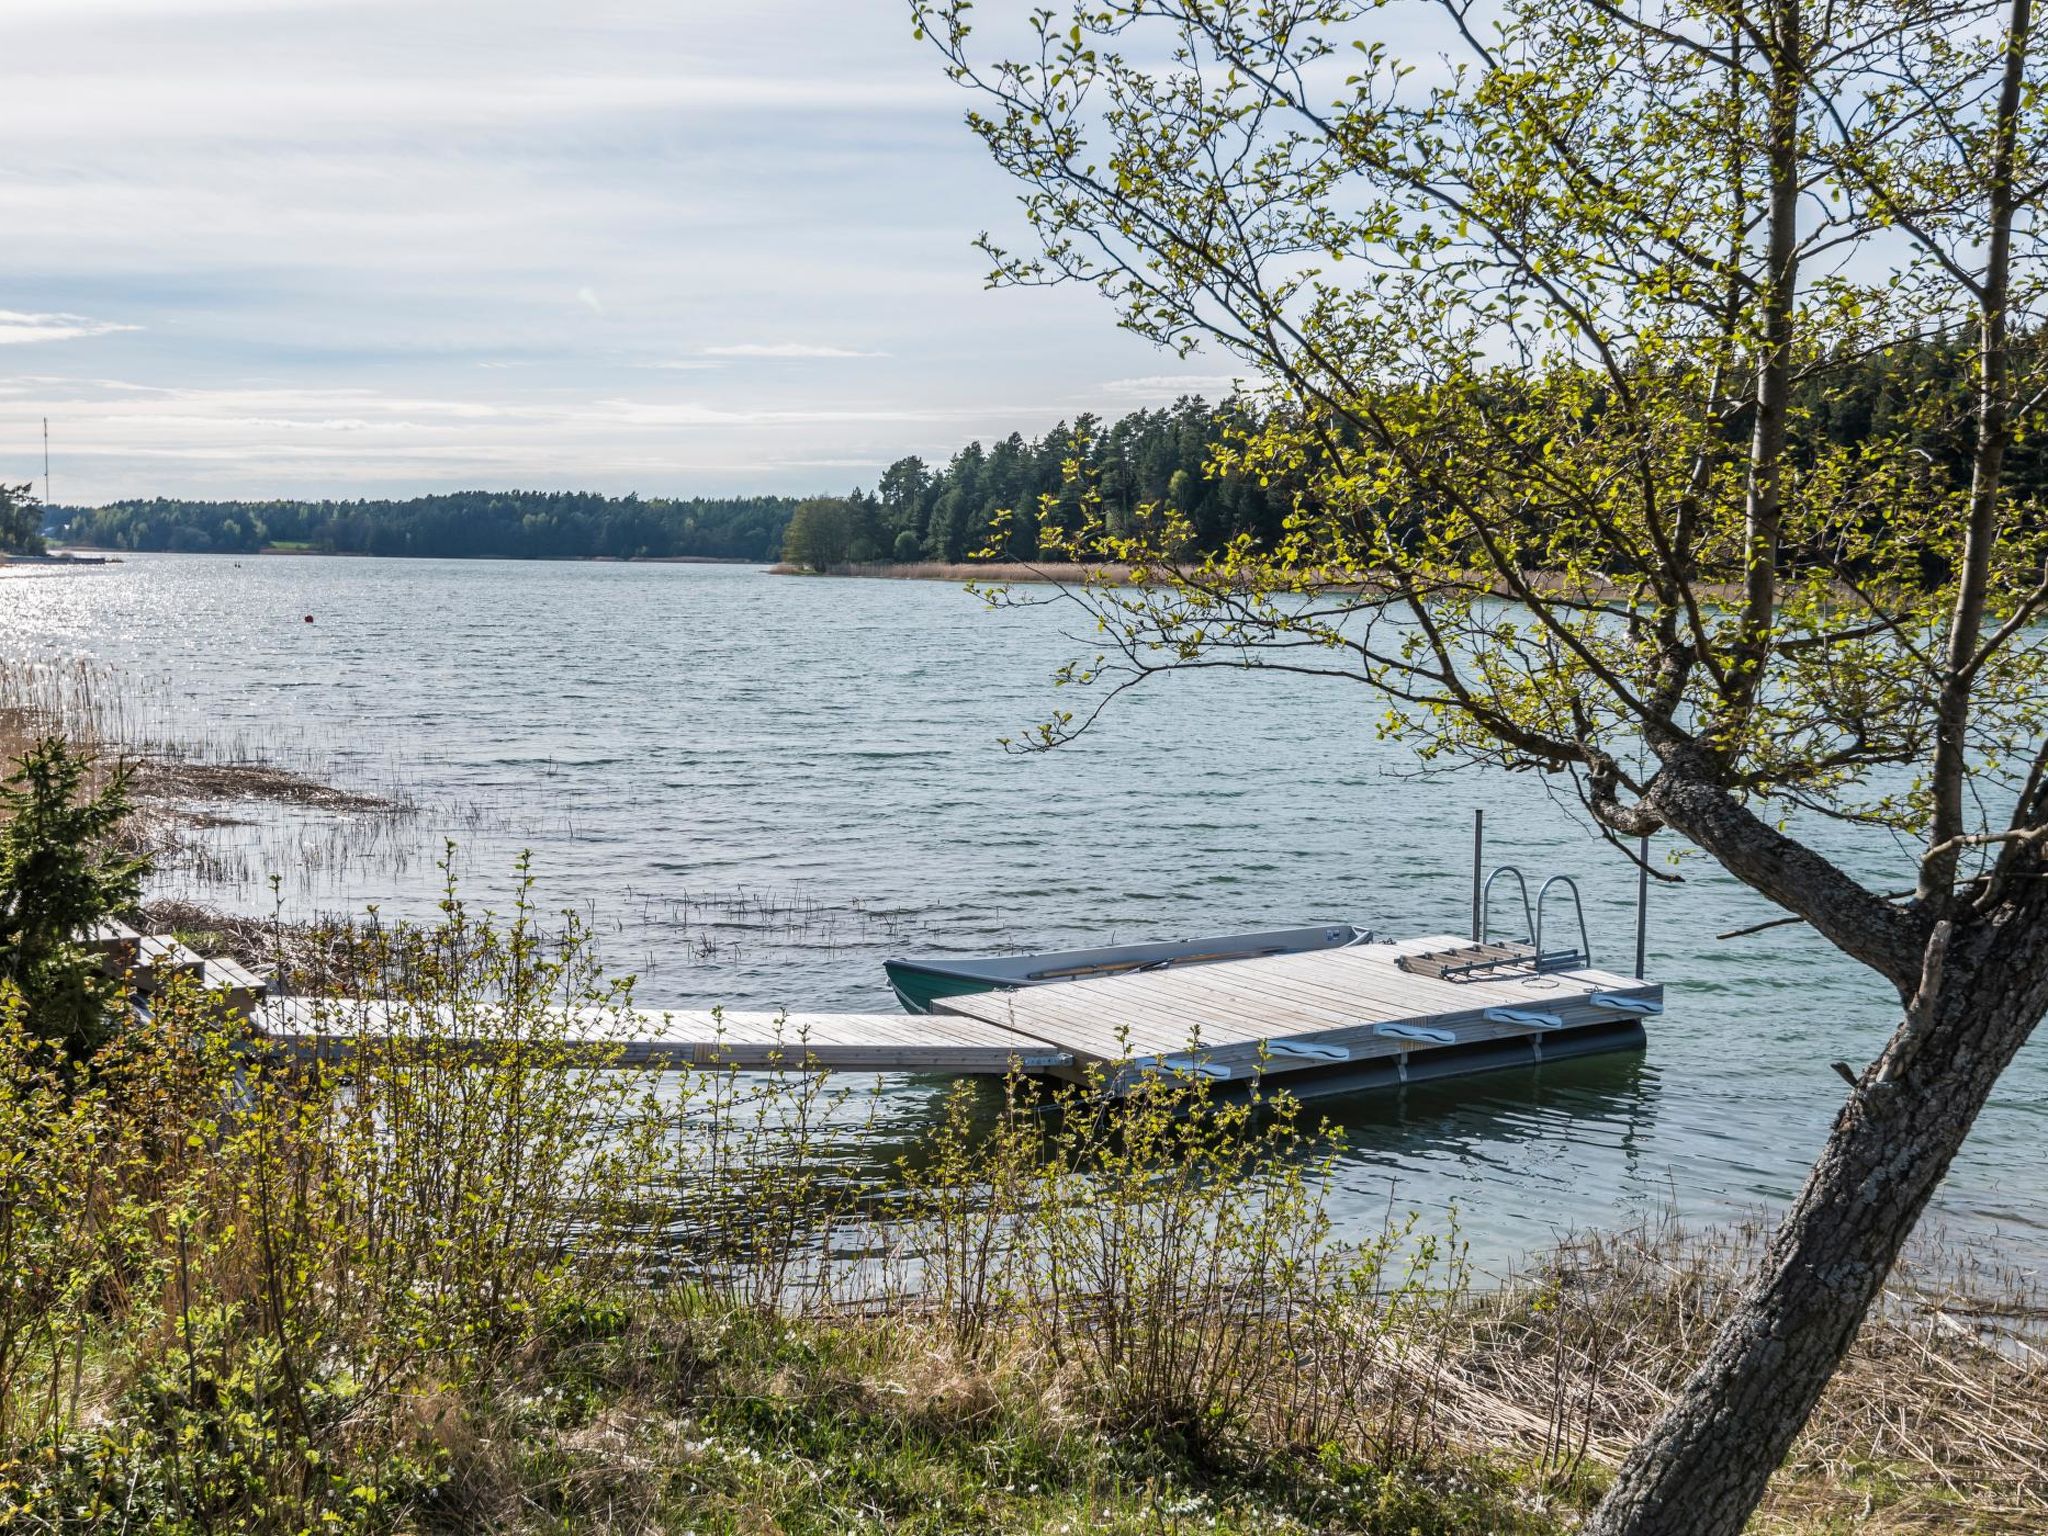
(1642, 903)
(1478, 872)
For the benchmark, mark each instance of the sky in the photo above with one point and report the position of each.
(354, 248)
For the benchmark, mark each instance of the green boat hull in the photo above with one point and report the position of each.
(918, 989)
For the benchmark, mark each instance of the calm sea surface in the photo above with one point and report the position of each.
(755, 787)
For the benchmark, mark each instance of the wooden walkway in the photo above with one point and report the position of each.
(834, 1042)
(1353, 1010)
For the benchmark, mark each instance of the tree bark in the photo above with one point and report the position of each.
(1863, 925)
(1987, 471)
(1703, 1469)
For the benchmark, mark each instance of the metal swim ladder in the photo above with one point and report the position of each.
(1562, 959)
(1532, 912)
(1539, 958)
(1484, 906)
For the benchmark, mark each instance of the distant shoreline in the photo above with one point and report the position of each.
(364, 554)
(1009, 573)
(60, 558)
(982, 570)
(994, 572)
(89, 554)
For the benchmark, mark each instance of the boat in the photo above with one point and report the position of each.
(921, 982)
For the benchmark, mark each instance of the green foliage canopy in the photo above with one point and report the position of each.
(1527, 336)
(20, 521)
(821, 534)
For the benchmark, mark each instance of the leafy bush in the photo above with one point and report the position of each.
(243, 1288)
(59, 874)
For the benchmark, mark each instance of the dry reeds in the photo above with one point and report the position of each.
(1002, 572)
(214, 812)
(1005, 573)
(1942, 1401)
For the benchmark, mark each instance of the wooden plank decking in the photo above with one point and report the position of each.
(840, 1042)
(1226, 1017)
(1322, 1012)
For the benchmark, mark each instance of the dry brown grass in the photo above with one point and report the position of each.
(1937, 1420)
(180, 790)
(985, 571)
(320, 958)
(166, 776)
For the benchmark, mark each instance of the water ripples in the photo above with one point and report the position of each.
(666, 735)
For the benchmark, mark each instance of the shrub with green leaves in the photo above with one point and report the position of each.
(59, 874)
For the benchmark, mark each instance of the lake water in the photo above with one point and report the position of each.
(757, 786)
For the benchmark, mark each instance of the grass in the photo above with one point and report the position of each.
(695, 1417)
(284, 1315)
(724, 1422)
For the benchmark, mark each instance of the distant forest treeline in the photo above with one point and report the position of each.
(915, 511)
(946, 512)
(526, 525)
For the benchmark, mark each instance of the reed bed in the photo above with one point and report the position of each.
(1941, 1407)
(219, 814)
(1000, 572)
(219, 811)
(720, 926)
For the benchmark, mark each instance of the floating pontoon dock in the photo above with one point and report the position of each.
(1358, 1016)
(1336, 1013)
(1429, 1006)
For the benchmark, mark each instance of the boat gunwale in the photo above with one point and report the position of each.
(974, 968)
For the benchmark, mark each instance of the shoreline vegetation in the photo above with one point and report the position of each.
(1186, 460)
(568, 1297)
(434, 1290)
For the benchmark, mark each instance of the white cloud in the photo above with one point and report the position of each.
(1171, 386)
(17, 327)
(370, 246)
(785, 349)
(687, 413)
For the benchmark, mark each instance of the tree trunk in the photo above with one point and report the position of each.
(1703, 1469)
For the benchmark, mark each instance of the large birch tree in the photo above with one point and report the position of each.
(1536, 290)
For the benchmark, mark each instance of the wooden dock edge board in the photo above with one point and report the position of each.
(1242, 1058)
(865, 1043)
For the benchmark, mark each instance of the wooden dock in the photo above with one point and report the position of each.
(1358, 1012)
(1359, 1016)
(750, 1041)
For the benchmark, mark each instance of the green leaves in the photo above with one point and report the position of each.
(60, 872)
(1588, 336)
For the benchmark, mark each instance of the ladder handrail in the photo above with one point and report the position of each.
(1529, 914)
(1585, 943)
